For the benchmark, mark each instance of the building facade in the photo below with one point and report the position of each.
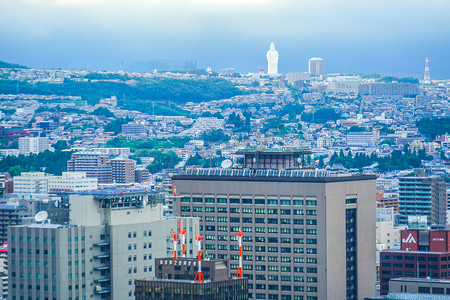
(95, 164)
(123, 170)
(42, 183)
(316, 66)
(423, 254)
(307, 235)
(111, 241)
(423, 196)
(33, 145)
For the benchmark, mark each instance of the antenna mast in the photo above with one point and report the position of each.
(174, 234)
(239, 236)
(198, 240)
(183, 240)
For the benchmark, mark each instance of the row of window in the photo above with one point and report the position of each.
(144, 246)
(295, 212)
(287, 297)
(37, 239)
(134, 258)
(247, 229)
(144, 234)
(134, 270)
(410, 257)
(245, 220)
(247, 201)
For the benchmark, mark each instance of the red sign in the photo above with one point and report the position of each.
(410, 240)
(438, 241)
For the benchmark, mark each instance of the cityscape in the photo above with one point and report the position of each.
(192, 177)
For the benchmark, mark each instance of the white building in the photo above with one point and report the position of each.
(28, 145)
(114, 151)
(73, 182)
(42, 183)
(32, 183)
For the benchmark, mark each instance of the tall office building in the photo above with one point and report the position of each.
(33, 145)
(307, 234)
(111, 241)
(316, 66)
(423, 196)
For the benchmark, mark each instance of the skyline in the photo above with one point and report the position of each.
(352, 37)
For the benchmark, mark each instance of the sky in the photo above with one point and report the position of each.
(352, 36)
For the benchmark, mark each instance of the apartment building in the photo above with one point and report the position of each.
(423, 196)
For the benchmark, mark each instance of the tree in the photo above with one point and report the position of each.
(103, 111)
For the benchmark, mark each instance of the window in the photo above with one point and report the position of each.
(197, 199)
(311, 202)
(272, 201)
(350, 200)
(298, 211)
(247, 201)
(221, 200)
(209, 209)
(209, 200)
(185, 199)
(311, 212)
(260, 201)
(285, 202)
(298, 202)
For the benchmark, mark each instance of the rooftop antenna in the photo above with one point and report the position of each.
(239, 236)
(174, 234)
(41, 216)
(198, 240)
(183, 240)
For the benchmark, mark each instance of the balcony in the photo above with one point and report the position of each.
(102, 268)
(102, 280)
(102, 256)
(101, 244)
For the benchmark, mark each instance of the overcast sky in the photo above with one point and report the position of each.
(352, 36)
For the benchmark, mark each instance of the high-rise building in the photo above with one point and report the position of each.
(33, 145)
(316, 66)
(123, 170)
(111, 241)
(307, 234)
(423, 196)
(95, 164)
(174, 280)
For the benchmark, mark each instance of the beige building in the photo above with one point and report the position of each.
(112, 240)
(307, 235)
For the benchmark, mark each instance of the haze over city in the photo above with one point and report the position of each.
(391, 37)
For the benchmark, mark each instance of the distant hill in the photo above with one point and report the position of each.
(12, 66)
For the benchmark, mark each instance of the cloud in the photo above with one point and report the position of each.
(228, 32)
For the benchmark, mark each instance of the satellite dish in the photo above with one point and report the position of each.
(227, 163)
(299, 160)
(41, 216)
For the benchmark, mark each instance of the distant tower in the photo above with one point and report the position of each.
(426, 77)
(316, 66)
